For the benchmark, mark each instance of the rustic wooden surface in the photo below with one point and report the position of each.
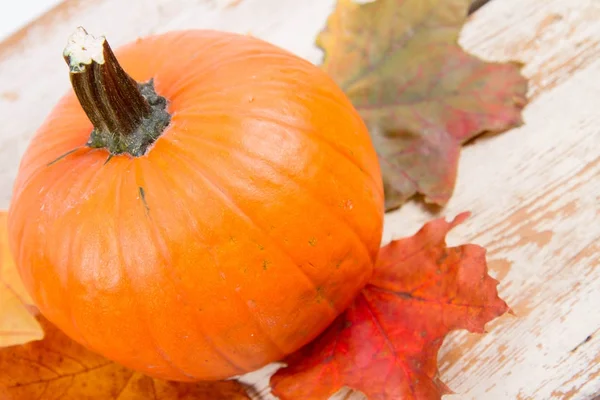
(534, 191)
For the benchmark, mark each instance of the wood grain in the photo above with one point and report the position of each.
(534, 191)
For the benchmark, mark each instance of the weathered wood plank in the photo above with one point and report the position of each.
(533, 191)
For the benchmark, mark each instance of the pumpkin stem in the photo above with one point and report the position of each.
(127, 116)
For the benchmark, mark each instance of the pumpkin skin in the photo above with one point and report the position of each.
(248, 226)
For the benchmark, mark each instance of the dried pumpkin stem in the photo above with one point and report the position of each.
(110, 98)
(127, 116)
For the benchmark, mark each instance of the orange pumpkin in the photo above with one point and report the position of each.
(208, 212)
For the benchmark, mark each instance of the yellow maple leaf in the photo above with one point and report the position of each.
(17, 324)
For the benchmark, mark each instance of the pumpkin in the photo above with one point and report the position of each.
(198, 205)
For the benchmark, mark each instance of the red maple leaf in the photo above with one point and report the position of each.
(386, 344)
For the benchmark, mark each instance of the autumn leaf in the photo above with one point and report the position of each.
(59, 368)
(386, 344)
(17, 324)
(421, 95)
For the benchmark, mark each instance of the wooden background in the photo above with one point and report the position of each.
(534, 191)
